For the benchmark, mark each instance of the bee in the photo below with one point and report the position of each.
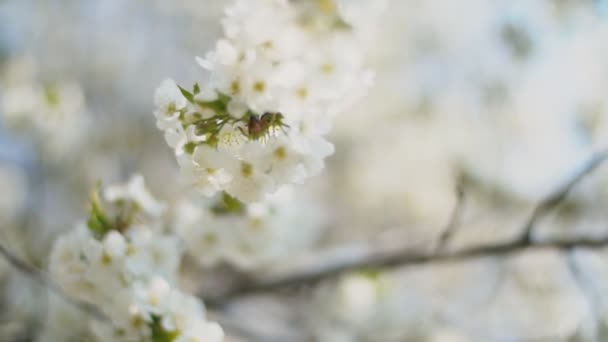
(259, 127)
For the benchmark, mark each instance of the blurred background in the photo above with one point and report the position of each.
(484, 106)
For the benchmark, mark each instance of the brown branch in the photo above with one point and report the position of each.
(43, 279)
(455, 216)
(549, 203)
(404, 258)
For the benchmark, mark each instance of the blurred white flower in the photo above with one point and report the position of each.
(54, 113)
(155, 311)
(129, 272)
(149, 251)
(169, 99)
(358, 307)
(135, 190)
(250, 235)
(207, 170)
(94, 270)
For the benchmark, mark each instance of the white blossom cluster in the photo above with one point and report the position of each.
(363, 306)
(54, 112)
(127, 266)
(248, 235)
(275, 81)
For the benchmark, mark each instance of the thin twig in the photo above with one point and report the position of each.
(549, 203)
(403, 258)
(42, 278)
(454, 220)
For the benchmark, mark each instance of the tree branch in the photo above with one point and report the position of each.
(42, 278)
(549, 203)
(403, 258)
(455, 216)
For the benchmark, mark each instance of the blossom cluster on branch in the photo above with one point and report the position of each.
(123, 262)
(256, 125)
(275, 81)
(248, 236)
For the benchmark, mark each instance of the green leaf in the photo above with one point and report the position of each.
(217, 106)
(159, 334)
(223, 98)
(51, 93)
(228, 205)
(98, 221)
(189, 147)
(188, 95)
(196, 89)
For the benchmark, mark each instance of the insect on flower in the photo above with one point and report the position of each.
(260, 127)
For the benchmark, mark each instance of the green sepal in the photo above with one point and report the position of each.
(228, 205)
(189, 147)
(98, 221)
(188, 95)
(51, 94)
(159, 334)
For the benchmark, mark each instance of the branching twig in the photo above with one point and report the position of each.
(558, 196)
(42, 278)
(384, 259)
(387, 261)
(454, 219)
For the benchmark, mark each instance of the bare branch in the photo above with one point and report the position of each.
(549, 203)
(42, 278)
(404, 258)
(454, 220)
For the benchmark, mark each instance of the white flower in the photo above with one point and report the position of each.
(114, 244)
(230, 141)
(202, 332)
(202, 232)
(256, 236)
(251, 179)
(206, 169)
(166, 121)
(357, 295)
(176, 313)
(359, 307)
(54, 114)
(274, 82)
(176, 137)
(130, 279)
(237, 108)
(227, 54)
(152, 296)
(193, 136)
(80, 267)
(168, 98)
(258, 86)
(151, 252)
(19, 100)
(149, 308)
(208, 92)
(135, 190)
